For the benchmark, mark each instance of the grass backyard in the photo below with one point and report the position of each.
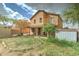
(32, 46)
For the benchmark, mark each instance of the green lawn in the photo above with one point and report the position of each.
(37, 46)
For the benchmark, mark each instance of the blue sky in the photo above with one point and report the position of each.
(16, 10)
(22, 10)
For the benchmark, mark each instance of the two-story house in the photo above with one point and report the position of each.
(40, 18)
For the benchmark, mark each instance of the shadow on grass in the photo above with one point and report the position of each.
(62, 43)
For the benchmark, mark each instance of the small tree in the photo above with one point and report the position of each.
(49, 28)
(5, 19)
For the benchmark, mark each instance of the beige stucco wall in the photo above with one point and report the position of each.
(45, 19)
(53, 19)
(37, 18)
(56, 20)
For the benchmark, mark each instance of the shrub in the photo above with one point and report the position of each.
(49, 28)
(62, 42)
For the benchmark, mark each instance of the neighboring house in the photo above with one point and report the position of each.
(67, 34)
(41, 18)
(25, 31)
(15, 30)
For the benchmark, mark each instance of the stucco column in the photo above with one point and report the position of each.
(36, 31)
(41, 32)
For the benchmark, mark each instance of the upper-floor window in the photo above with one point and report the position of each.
(51, 20)
(40, 20)
(54, 20)
(34, 21)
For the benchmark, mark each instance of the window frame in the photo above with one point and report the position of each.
(40, 20)
(34, 21)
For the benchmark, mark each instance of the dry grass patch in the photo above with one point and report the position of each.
(41, 46)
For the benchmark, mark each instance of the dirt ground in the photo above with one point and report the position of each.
(5, 51)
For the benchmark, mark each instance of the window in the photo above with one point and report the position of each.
(40, 20)
(34, 21)
(52, 20)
